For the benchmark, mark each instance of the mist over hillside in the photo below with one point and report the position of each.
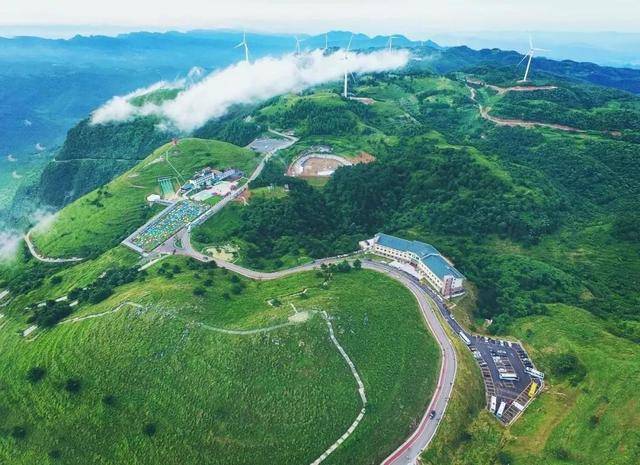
(49, 85)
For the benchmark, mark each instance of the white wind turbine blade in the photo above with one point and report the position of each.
(524, 57)
(349, 45)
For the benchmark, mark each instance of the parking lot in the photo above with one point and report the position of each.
(504, 366)
(268, 144)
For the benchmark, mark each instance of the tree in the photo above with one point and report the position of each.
(150, 429)
(199, 291)
(73, 385)
(36, 374)
(567, 366)
(109, 400)
(357, 264)
(19, 432)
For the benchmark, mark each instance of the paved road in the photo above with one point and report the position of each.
(37, 256)
(408, 452)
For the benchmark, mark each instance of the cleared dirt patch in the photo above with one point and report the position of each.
(363, 157)
(316, 165)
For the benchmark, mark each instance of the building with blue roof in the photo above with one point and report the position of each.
(425, 258)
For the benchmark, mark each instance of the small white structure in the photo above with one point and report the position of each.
(425, 258)
(153, 198)
(29, 330)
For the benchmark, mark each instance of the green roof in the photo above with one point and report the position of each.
(427, 254)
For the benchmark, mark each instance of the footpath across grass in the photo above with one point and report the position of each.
(158, 385)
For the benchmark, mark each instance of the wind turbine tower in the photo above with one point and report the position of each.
(345, 92)
(245, 45)
(529, 55)
(390, 42)
(298, 41)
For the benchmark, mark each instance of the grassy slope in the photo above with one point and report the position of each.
(554, 424)
(83, 227)
(560, 420)
(467, 399)
(282, 397)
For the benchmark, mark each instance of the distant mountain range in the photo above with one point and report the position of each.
(53, 83)
(48, 85)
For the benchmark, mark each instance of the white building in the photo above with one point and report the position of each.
(425, 258)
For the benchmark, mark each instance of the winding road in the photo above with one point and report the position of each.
(484, 111)
(409, 451)
(42, 258)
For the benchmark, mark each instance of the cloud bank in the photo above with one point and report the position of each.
(245, 83)
(10, 238)
(9, 241)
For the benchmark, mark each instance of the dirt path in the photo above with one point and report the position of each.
(98, 315)
(484, 111)
(504, 90)
(37, 256)
(361, 391)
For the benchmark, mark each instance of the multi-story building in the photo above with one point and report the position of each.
(208, 177)
(426, 260)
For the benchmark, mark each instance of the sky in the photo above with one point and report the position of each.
(418, 19)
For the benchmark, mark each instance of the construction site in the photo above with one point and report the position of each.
(320, 161)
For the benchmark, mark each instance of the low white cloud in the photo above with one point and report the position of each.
(245, 83)
(42, 219)
(9, 241)
(10, 237)
(119, 107)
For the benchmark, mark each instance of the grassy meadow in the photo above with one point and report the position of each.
(159, 385)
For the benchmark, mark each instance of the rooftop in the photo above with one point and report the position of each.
(427, 253)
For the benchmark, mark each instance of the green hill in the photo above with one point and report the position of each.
(541, 221)
(94, 154)
(101, 219)
(152, 380)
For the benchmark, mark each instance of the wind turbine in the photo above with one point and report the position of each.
(390, 42)
(530, 54)
(345, 92)
(298, 41)
(245, 45)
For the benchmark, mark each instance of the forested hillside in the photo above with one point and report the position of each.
(541, 220)
(94, 154)
(463, 59)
